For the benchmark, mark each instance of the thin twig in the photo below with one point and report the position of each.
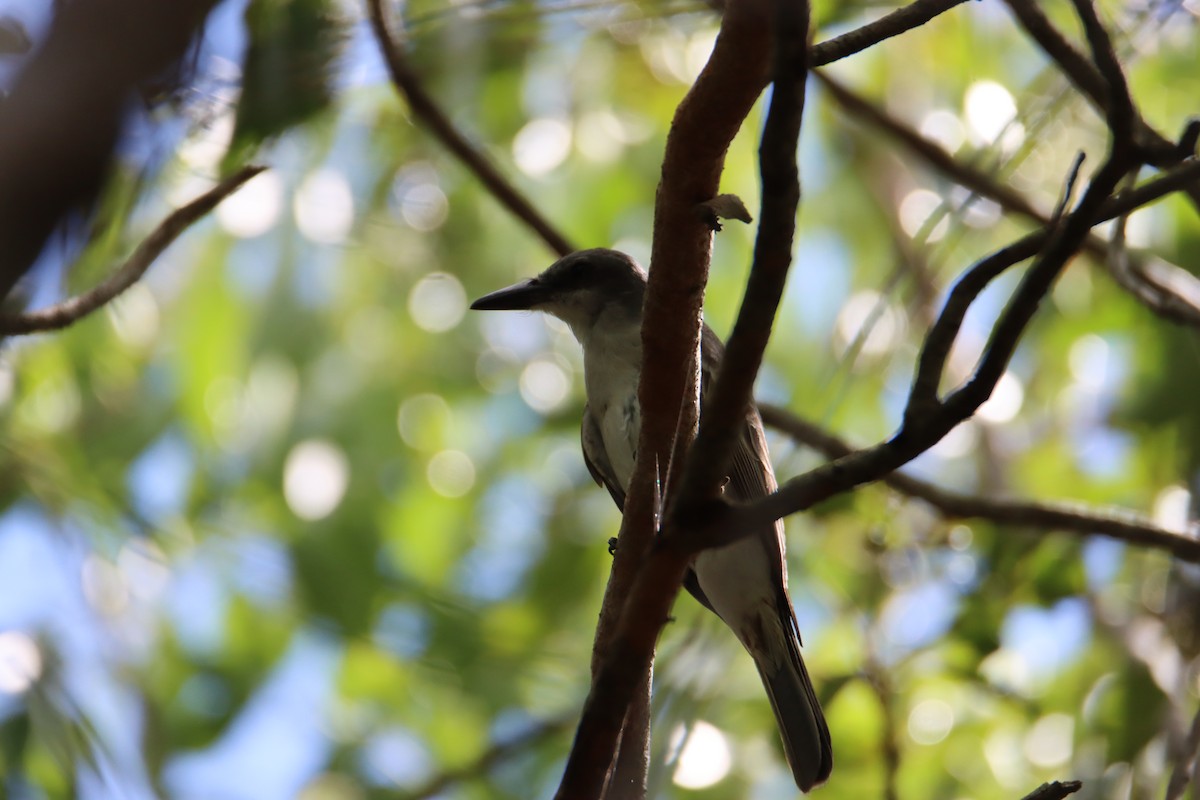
(423, 105)
(1116, 523)
(902, 20)
(72, 310)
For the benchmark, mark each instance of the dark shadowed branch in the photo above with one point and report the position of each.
(427, 110)
(1121, 524)
(1055, 790)
(173, 225)
(64, 114)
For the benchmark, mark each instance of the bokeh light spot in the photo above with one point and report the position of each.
(451, 473)
(705, 758)
(1049, 741)
(866, 308)
(423, 421)
(134, 316)
(324, 207)
(1171, 508)
(945, 128)
(104, 586)
(20, 662)
(438, 302)
(253, 209)
(541, 145)
(930, 721)
(1005, 402)
(315, 476)
(544, 385)
(989, 109)
(915, 210)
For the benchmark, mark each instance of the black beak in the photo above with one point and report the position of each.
(518, 297)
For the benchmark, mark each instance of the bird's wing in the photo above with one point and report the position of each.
(750, 472)
(596, 457)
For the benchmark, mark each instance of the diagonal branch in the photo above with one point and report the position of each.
(173, 225)
(900, 21)
(1121, 524)
(424, 107)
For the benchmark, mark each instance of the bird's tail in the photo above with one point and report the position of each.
(801, 723)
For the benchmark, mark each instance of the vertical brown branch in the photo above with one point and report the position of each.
(704, 125)
(726, 403)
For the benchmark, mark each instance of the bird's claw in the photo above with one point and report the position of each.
(612, 546)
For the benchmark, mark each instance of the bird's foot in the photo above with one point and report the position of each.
(612, 546)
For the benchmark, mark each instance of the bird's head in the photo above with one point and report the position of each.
(578, 289)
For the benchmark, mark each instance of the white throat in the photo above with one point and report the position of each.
(612, 362)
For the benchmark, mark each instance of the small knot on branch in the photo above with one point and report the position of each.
(723, 206)
(1186, 148)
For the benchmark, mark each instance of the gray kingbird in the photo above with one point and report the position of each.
(598, 294)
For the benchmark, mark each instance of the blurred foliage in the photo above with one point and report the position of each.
(286, 521)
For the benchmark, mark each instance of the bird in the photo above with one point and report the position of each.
(599, 294)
